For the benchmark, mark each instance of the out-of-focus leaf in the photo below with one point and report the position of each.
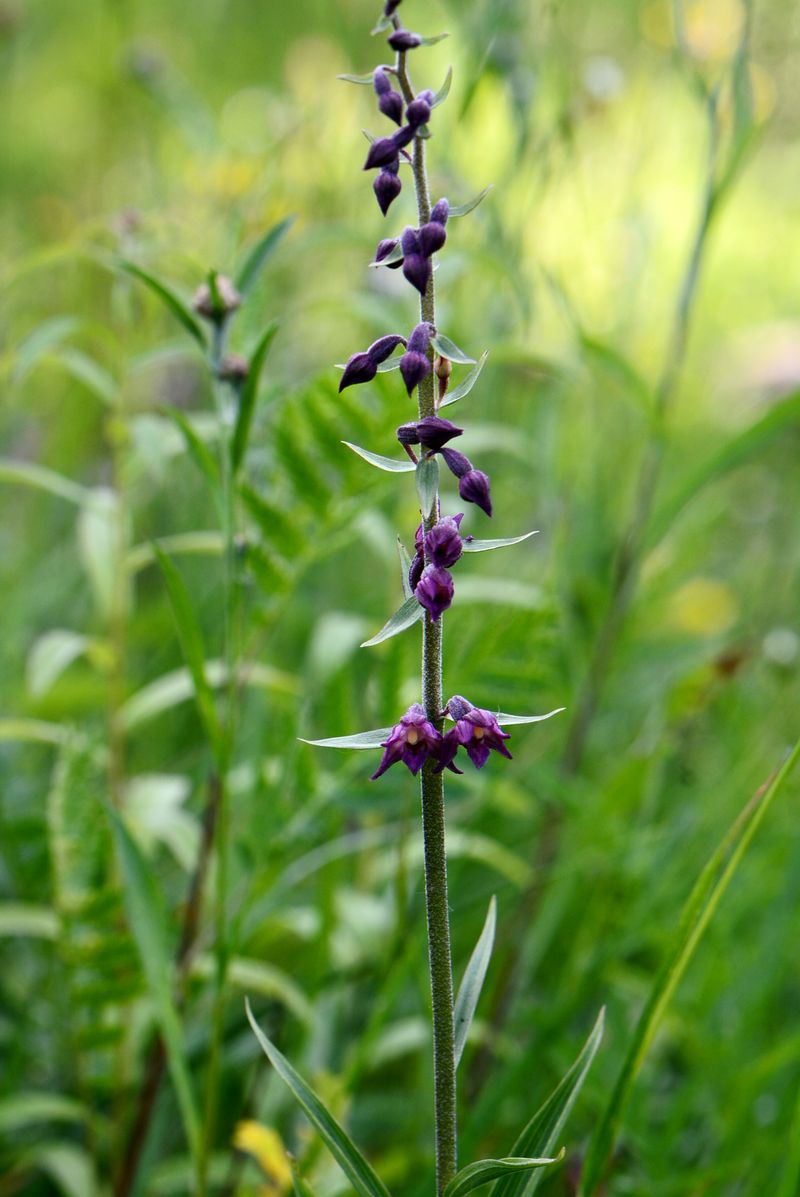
(483, 546)
(405, 566)
(69, 1167)
(361, 1175)
(247, 398)
(471, 985)
(255, 976)
(26, 473)
(444, 91)
(25, 919)
(447, 348)
(176, 687)
(357, 78)
(431, 41)
(466, 384)
(367, 739)
(41, 342)
(25, 1108)
(427, 471)
(98, 535)
(201, 544)
(463, 209)
(695, 917)
(484, 1171)
(403, 618)
(51, 654)
(197, 448)
(33, 731)
(383, 463)
(258, 255)
(93, 376)
(170, 298)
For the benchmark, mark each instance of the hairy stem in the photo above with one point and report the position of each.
(432, 784)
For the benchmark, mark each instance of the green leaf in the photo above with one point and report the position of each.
(93, 376)
(408, 614)
(484, 1171)
(191, 642)
(41, 342)
(431, 41)
(247, 397)
(509, 720)
(23, 918)
(466, 385)
(483, 546)
(179, 308)
(444, 91)
(70, 1168)
(427, 471)
(209, 543)
(51, 654)
(383, 24)
(176, 687)
(366, 79)
(196, 447)
(147, 919)
(255, 976)
(257, 257)
(463, 209)
(546, 1124)
(24, 1108)
(695, 917)
(390, 464)
(367, 739)
(361, 1175)
(31, 731)
(26, 473)
(99, 545)
(405, 566)
(472, 982)
(447, 348)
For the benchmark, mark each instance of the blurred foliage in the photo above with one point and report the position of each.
(175, 136)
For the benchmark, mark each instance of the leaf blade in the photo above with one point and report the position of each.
(464, 209)
(403, 618)
(389, 464)
(469, 991)
(247, 398)
(427, 479)
(484, 1171)
(466, 385)
(447, 348)
(170, 299)
(506, 720)
(254, 262)
(484, 546)
(368, 739)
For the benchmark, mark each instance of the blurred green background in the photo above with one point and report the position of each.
(176, 135)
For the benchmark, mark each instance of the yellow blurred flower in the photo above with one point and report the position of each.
(703, 607)
(265, 1146)
(711, 27)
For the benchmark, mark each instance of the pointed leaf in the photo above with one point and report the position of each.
(405, 566)
(367, 79)
(383, 24)
(361, 1175)
(427, 483)
(546, 1125)
(431, 41)
(443, 92)
(383, 463)
(27, 473)
(472, 982)
(484, 1171)
(254, 262)
(247, 398)
(147, 919)
(179, 308)
(466, 385)
(191, 641)
(695, 917)
(408, 614)
(447, 348)
(463, 209)
(483, 546)
(196, 447)
(367, 739)
(509, 720)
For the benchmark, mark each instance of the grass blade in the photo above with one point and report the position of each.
(472, 982)
(484, 1171)
(361, 1175)
(180, 310)
(257, 257)
(247, 399)
(695, 917)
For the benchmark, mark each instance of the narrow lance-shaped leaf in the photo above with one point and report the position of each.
(247, 397)
(403, 618)
(364, 79)
(447, 348)
(367, 739)
(444, 91)
(463, 209)
(254, 262)
(358, 1171)
(466, 384)
(196, 447)
(432, 41)
(180, 310)
(695, 917)
(427, 484)
(472, 982)
(484, 546)
(547, 1123)
(484, 1171)
(147, 919)
(383, 24)
(508, 720)
(405, 566)
(192, 645)
(390, 464)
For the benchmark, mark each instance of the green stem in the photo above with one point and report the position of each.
(432, 784)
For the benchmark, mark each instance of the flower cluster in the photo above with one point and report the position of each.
(436, 552)
(414, 739)
(384, 152)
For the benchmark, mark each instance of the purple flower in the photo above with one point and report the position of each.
(443, 545)
(432, 237)
(476, 729)
(381, 153)
(420, 337)
(415, 570)
(416, 265)
(414, 367)
(402, 40)
(435, 431)
(390, 102)
(457, 462)
(387, 187)
(362, 367)
(474, 488)
(411, 741)
(385, 247)
(434, 591)
(418, 113)
(440, 212)
(390, 6)
(403, 136)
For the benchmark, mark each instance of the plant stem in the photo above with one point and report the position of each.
(432, 784)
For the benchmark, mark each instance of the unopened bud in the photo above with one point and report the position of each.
(418, 112)
(432, 237)
(216, 308)
(234, 369)
(402, 40)
(387, 187)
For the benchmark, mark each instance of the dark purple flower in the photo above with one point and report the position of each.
(414, 367)
(384, 347)
(381, 81)
(474, 488)
(435, 431)
(434, 590)
(432, 237)
(411, 741)
(419, 538)
(390, 102)
(476, 729)
(402, 40)
(386, 247)
(362, 367)
(417, 270)
(390, 6)
(418, 113)
(440, 211)
(403, 136)
(415, 570)
(387, 187)
(457, 462)
(443, 545)
(381, 153)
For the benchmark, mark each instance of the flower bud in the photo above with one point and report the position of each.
(418, 112)
(216, 309)
(362, 367)
(414, 367)
(474, 488)
(381, 153)
(456, 462)
(417, 270)
(415, 570)
(420, 337)
(382, 348)
(434, 432)
(380, 81)
(391, 105)
(390, 6)
(432, 237)
(440, 212)
(403, 136)
(443, 545)
(387, 187)
(407, 434)
(402, 40)
(434, 591)
(233, 369)
(386, 247)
